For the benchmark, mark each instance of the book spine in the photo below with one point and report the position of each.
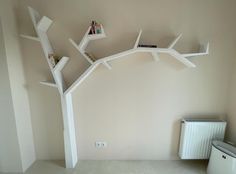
(147, 46)
(95, 28)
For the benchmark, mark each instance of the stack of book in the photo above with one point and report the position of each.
(96, 28)
(147, 46)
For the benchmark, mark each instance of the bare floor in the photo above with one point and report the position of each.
(120, 167)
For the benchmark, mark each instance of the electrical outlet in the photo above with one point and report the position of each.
(100, 144)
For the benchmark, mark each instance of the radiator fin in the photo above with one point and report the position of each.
(197, 136)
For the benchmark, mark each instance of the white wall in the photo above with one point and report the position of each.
(45, 104)
(231, 118)
(19, 96)
(9, 151)
(137, 106)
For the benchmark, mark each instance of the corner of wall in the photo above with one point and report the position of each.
(19, 95)
(231, 109)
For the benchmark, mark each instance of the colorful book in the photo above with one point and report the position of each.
(96, 28)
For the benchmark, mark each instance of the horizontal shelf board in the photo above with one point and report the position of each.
(47, 83)
(194, 54)
(159, 50)
(171, 52)
(60, 65)
(44, 24)
(204, 50)
(96, 36)
(30, 37)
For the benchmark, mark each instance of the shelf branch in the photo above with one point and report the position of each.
(81, 78)
(174, 41)
(51, 84)
(60, 65)
(44, 24)
(138, 38)
(181, 58)
(30, 37)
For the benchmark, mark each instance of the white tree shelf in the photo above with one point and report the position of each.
(41, 26)
(81, 47)
(47, 83)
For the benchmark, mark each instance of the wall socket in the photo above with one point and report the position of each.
(100, 144)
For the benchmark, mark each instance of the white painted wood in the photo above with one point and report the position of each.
(30, 37)
(149, 50)
(84, 42)
(44, 24)
(60, 65)
(107, 65)
(51, 84)
(188, 55)
(34, 16)
(77, 47)
(94, 66)
(204, 50)
(41, 29)
(69, 131)
(97, 36)
(155, 56)
(47, 48)
(41, 26)
(58, 74)
(138, 39)
(182, 59)
(171, 52)
(174, 42)
(118, 55)
(82, 78)
(88, 37)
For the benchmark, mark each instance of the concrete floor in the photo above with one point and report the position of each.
(120, 167)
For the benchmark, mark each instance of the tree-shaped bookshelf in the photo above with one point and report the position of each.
(42, 24)
(81, 47)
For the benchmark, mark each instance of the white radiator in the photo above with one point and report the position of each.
(197, 136)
